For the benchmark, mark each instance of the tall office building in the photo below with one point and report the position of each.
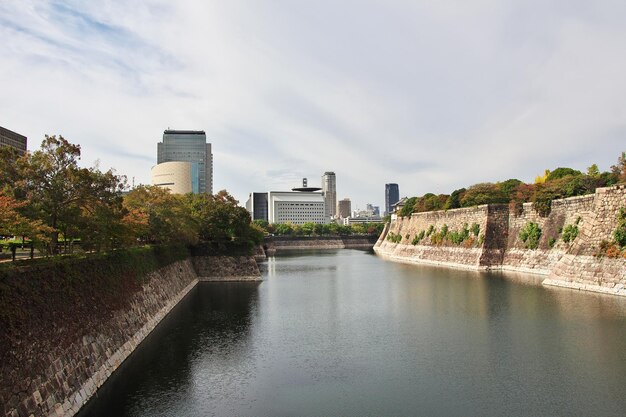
(392, 196)
(10, 139)
(344, 208)
(329, 191)
(189, 146)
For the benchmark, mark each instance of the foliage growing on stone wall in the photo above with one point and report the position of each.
(530, 235)
(458, 237)
(619, 234)
(475, 229)
(393, 237)
(418, 237)
(570, 232)
(455, 237)
(31, 292)
(430, 230)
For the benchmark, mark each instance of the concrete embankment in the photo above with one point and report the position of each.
(578, 263)
(63, 336)
(277, 244)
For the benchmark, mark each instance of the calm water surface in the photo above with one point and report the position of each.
(344, 333)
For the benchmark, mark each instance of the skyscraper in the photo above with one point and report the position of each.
(392, 196)
(329, 190)
(345, 208)
(189, 146)
(13, 140)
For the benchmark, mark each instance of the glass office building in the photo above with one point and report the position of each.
(392, 196)
(189, 146)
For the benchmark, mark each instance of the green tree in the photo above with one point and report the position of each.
(454, 201)
(12, 223)
(168, 216)
(562, 172)
(308, 228)
(484, 193)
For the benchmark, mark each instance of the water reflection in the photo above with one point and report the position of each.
(185, 358)
(346, 333)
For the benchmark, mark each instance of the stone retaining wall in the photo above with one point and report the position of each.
(56, 380)
(226, 268)
(569, 264)
(48, 378)
(289, 243)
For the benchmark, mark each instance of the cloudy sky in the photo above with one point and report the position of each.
(433, 95)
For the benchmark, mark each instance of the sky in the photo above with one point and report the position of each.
(432, 95)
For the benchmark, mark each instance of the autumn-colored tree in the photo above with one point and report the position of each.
(168, 217)
(12, 223)
(619, 169)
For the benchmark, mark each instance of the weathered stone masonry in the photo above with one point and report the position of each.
(57, 379)
(574, 264)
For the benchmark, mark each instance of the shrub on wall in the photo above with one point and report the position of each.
(394, 238)
(619, 234)
(570, 232)
(475, 229)
(530, 235)
(418, 237)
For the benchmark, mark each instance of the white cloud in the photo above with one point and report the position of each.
(431, 95)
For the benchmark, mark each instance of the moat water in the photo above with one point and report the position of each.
(344, 333)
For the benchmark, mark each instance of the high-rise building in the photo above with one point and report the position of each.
(329, 191)
(10, 139)
(344, 208)
(392, 195)
(189, 146)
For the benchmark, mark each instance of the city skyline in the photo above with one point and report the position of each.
(371, 97)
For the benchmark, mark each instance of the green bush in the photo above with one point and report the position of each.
(570, 232)
(394, 238)
(430, 230)
(475, 229)
(458, 237)
(619, 234)
(418, 237)
(530, 235)
(552, 242)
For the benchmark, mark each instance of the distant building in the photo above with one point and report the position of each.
(189, 146)
(392, 195)
(344, 208)
(397, 208)
(301, 205)
(10, 139)
(257, 206)
(329, 191)
(177, 176)
(356, 220)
